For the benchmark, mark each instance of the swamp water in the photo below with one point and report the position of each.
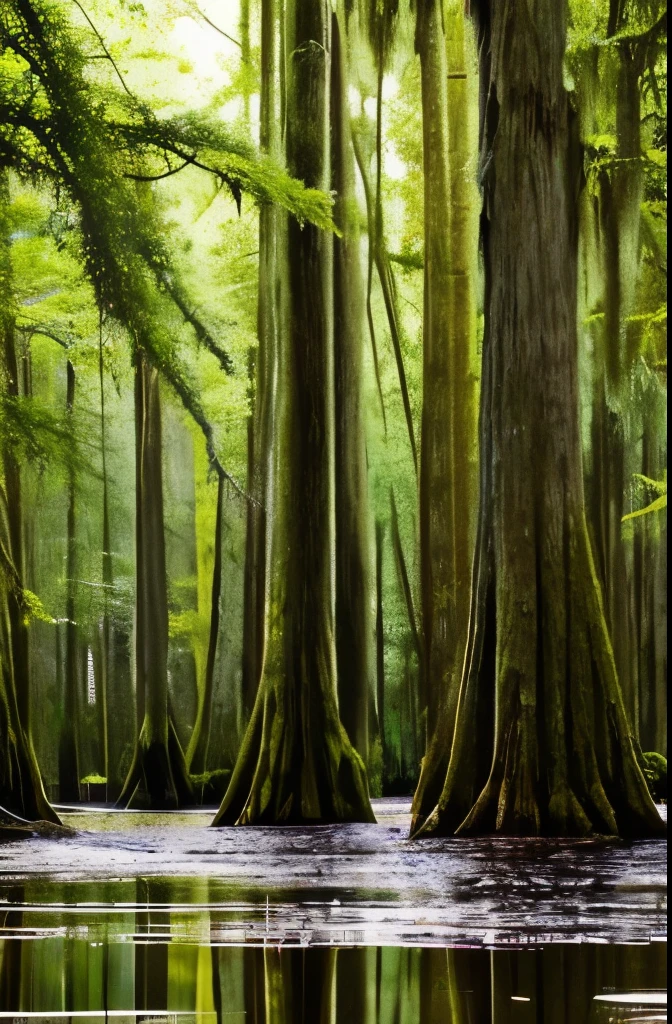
(158, 917)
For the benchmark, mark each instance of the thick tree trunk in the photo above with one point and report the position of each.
(15, 540)
(448, 420)
(441, 587)
(21, 789)
(542, 744)
(355, 628)
(272, 226)
(296, 763)
(158, 777)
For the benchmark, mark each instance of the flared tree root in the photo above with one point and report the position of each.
(158, 779)
(287, 774)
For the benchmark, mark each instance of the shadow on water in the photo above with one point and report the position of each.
(66, 976)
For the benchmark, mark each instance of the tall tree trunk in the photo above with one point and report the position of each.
(380, 638)
(108, 576)
(197, 754)
(296, 763)
(158, 777)
(355, 628)
(448, 412)
(558, 756)
(68, 750)
(263, 369)
(620, 431)
(21, 789)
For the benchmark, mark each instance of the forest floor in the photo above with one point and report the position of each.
(347, 884)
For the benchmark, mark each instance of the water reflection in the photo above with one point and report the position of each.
(141, 975)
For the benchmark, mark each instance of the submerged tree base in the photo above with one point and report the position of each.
(158, 779)
(287, 774)
(574, 770)
(22, 796)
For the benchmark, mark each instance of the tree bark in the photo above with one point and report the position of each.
(296, 763)
(447, 466)
(197, 755)
(380, 637)
(21, 789)
(272, 225)
(355, 628)
(108, 579)
(625, 434)
(542, 744)
(68, 750)
(158, 777)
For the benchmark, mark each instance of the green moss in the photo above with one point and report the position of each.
(93, 780)
(205, 778)
(655, 773)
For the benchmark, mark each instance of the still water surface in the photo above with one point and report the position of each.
(162, 919)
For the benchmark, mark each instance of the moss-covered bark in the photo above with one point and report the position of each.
(355, 627)
(197, 754)
(106, 625)
(448, 421)
(626, 434)
(21, 789)
(296, 763)
(262, 369)
(542, 744)
(158, 776)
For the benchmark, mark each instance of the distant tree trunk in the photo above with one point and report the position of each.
(380, 637)
(263, 371)
(447, 477)
(296, 763)
(68, 750)
(355, 628)
(378, 254)
(624, 433)
(21, 789)
(158, 777)
(197, 755)
(108, 578)
(559, 756)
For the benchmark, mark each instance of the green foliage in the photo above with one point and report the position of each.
(658, 504)
(38, 435)
(655, 773)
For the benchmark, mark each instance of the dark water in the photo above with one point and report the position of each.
(158, 917)
(141, 977)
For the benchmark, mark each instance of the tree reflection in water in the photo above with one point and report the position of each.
(144, 974)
